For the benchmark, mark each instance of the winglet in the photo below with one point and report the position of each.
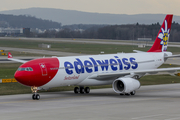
(10, 55)
(161, 42)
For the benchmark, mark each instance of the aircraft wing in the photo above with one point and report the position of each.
(10, 57)
(120, 74)
(17, 60)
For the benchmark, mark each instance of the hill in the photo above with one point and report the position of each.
(24, 21)
(68, 17)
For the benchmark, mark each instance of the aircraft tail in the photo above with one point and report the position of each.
(161, 42)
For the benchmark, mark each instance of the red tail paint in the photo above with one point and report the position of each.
(161, 42)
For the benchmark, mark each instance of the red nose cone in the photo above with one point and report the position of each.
(21, 78)
(37, 72)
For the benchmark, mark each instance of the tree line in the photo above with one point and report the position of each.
(115, 32)
(26, 21)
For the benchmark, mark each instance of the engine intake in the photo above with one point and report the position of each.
(125, 85)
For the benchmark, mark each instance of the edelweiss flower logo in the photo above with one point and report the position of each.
(164, 36)
(43, 66)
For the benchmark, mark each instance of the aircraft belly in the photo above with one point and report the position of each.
(94, 82)
(62, 79)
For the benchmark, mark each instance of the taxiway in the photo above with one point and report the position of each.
(3, 59)
(93, 41)
(157, 102)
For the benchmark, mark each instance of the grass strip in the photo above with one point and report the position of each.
(79, 47)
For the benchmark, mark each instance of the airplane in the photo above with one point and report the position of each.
(122, 70)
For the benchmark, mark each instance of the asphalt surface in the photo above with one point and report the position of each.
(93, 41)
(158, 102)
(43, 52)
(175, 61)
(3, 59)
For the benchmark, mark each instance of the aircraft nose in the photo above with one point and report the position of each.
(37, 72)
(21, 78)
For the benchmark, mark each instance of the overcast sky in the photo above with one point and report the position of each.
(100, 6)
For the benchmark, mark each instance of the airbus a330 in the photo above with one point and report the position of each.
(122, 70)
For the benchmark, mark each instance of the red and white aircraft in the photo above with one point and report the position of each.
(121, 70)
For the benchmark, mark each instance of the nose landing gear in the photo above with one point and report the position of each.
(35, 96)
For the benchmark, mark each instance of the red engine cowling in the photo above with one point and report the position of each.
(125, 85)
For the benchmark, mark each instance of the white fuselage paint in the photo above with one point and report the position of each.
(62, 78)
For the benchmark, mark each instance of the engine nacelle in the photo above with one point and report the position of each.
(125, 85)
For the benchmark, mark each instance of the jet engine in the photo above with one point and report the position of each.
(125, 85)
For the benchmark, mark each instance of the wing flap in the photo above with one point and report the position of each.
(138, 51)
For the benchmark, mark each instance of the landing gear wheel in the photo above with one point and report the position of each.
(82, 90)
(33, 96)
(121, 94)
(37, 96)
(127, 94)
(133, 92)
(87, 89)
(76, 90)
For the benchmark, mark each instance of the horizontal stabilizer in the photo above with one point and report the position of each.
(172, 56)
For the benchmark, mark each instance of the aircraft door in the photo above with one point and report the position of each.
(78, 67)
(155, 60)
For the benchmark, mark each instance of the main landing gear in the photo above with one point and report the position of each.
(128, 94)
(81, 90)
(35, 96)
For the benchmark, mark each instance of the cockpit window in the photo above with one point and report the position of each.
(25, 69)
(21, 69)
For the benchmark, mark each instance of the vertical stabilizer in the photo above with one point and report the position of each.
(161, 42)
